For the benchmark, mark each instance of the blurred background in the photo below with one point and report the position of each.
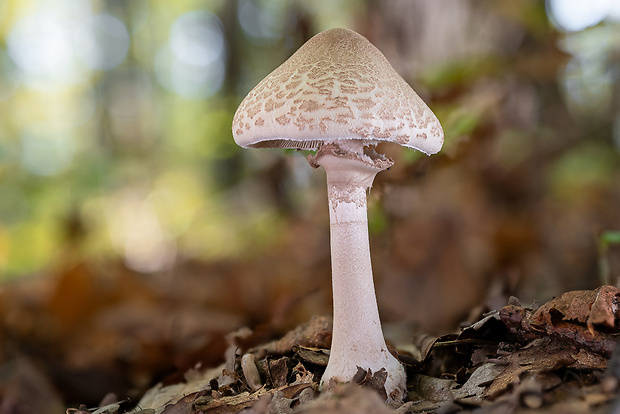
(134, 233)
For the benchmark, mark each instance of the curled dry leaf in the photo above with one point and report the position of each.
(422, 346)
(587, 307)
(605, 308)
(571, 306)
(316, 356)
(374, 381)
(302, 375)
(275, 371)
(571, 317)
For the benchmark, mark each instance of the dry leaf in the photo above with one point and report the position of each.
(542, 355)
(316, 356)
(605, 308)
(587, 307)
(316, 333)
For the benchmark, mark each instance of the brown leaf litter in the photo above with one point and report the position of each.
(514, 359)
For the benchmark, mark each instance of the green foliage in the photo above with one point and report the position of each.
(605, 240)
(583, 170)
(461, 73)
(377, 218)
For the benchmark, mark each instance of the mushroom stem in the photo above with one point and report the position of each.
(357, 340)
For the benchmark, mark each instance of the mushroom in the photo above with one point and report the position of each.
(340, 96)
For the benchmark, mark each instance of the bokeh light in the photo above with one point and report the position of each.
(41, 45)
(102, 42)
(8, 76)
(589, 38)
(46, 151)
(262, 21)
(577, 15)
(192, 64)
(136, 232)
(587, 81)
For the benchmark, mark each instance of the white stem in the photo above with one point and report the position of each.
(357, 339)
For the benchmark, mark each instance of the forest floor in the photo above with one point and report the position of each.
(64, 351)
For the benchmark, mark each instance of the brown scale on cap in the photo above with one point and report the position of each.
(336, 86)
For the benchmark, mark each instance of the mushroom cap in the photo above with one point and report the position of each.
(336, 86)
